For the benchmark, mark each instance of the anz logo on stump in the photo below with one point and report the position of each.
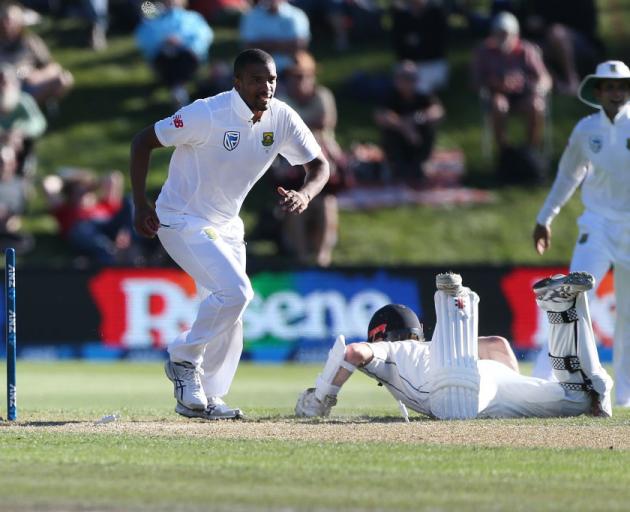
(230, 140)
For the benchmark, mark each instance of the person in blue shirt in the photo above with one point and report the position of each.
(175, 41)
(277, 27)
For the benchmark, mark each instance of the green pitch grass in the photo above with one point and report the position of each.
(55, 458)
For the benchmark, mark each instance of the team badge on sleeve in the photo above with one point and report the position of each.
(267, 139)
(595, 143)
(230, 140)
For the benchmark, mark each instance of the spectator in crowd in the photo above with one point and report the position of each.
(568, 37)
(220, 11)
(175, 42)
(13, 201)
(357, 19)
(97, 12)
(511, 76)
(93, 215)
(312, 235)
(479, 17)
(40, 76)
(277, 27)
(419, 32)
(408, 122)
(21, 120)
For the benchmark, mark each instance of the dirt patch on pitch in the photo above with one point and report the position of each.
(550, 434)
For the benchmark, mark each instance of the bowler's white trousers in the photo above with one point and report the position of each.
(215, 259)
(600, 244)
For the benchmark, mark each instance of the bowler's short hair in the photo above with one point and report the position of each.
(250, 56)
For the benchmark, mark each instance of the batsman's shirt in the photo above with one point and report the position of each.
(220, 154)
(598, 156)
(403, 368)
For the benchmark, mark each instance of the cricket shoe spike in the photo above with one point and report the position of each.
(558, 292)
(450, 283)
(212, 412)
(186, 379)
(218, 409)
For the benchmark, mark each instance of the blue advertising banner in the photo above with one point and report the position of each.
(297, 315)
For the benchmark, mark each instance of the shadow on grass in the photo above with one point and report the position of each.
(4, 423)
(355, 420)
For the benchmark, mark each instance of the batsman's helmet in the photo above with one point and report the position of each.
(394, 322)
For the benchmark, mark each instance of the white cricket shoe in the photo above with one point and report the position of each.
(449, 282)
(309, 406)
(218, 409)
(214, 411)
(186, 378)
(561, 289)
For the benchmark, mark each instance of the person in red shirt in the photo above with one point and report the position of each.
(511, 76)
(92, 214)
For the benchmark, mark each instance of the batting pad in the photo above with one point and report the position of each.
(335, 361)
(576, 339)
(453, 359)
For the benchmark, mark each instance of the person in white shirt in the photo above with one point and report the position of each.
(460, 375)
(223, 145)
(597, 157)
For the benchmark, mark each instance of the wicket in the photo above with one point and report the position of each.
(9, 296)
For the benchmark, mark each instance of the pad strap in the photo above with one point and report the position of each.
(562, 317)
(574, 386)
(569, 363)
(572, 365)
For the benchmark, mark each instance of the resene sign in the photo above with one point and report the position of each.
(529, 324)
(293, 315)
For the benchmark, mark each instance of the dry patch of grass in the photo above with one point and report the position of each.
(490, 433)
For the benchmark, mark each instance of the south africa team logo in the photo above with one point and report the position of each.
(595, 143)
(267, 139)
(230, 140)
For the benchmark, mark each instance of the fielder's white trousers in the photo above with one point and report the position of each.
(215, 259)
(600, 244)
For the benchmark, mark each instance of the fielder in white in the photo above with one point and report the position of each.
(597, 157)
(459, 375)
(223, 145)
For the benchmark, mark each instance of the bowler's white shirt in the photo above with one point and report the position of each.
(598, 154)
(220, 154)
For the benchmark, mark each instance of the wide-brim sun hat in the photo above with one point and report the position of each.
(609, 70)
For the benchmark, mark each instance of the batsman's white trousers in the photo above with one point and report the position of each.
(215, 259)
(600, 244)
(402, 367)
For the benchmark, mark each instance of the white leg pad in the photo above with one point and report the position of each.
(335, 361)
(453, 359)
(577, 339)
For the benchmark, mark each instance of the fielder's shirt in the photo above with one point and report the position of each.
(598, 156)
(220, 153)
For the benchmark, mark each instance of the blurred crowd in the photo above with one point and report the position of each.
(525, 52)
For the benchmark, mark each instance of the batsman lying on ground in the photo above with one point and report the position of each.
(458, 375)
